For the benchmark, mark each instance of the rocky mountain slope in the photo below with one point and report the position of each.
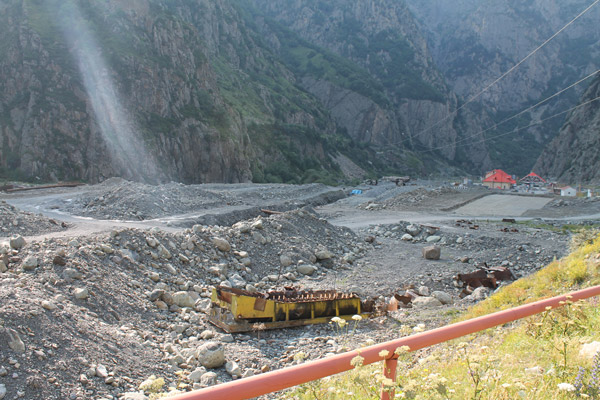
(410, 103)
(200, 91)
(473, 42)
(289, 91)
(186, 87)
(572, 157)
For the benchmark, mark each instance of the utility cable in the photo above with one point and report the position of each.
(506, 73)
(518, 129)
(464, 139)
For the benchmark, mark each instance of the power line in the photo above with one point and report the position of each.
(464, 139)
(504, 74)
(521, 128)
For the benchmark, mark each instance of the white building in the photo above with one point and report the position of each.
(568, 191)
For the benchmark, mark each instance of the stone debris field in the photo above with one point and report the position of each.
(116, 312)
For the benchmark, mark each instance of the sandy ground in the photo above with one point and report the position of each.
(502, 206)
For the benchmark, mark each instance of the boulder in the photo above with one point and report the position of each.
(480, 293)
(233, 369)
(407, 237)
(72, 274)
(258, 224)
(208, 379)
(196, 375)
(237, 281)
(30, 263)
(306, 269)
(221, 244)
(211, 355)
(16, 242)
(426, 302)
(285, 260)
(183, 299)
(14, 341)
(443, 297)
(413, 230)
(59, 260)
(432, 252)
(81, 293)
(433, 239)
(323, 254)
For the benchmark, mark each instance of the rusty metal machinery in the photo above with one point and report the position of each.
(236, 310)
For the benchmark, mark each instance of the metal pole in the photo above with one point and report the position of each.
(389, 371)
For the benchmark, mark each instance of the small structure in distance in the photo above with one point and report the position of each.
(498, 179)
(568, 191)
(533, 180)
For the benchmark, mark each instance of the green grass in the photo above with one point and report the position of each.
(527, 359)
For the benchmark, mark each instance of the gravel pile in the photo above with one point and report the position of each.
(440, 198)
(95, 316)
(117, 198)
(14, 221)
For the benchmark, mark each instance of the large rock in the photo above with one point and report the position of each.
(306, 269)
(211, 355)
(323, 254)
(407, 237)
(285, 260)
(433, 239)
(221, 244)
(2, 391)
(233, 369)
(413, 230)
(183, 299)
(208, 379)
(196, 374)
(164, 253)
(16, 242)
(14, 341)
(237, 281)
(81, 293)
(426, 302)
(432, 252)
(72, 274)
(30, 263)
(443, 297)
(480, 293)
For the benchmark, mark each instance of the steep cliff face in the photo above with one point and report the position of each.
(412, 107)
(473, 42)
(186, 81)
(218, 90)
(573, 157)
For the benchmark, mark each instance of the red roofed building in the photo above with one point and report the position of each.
(533, 179)
(498, 179)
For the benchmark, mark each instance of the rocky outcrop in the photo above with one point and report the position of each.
(364, 120)
(572, 157)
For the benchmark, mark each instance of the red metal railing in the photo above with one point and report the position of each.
(295, 375)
